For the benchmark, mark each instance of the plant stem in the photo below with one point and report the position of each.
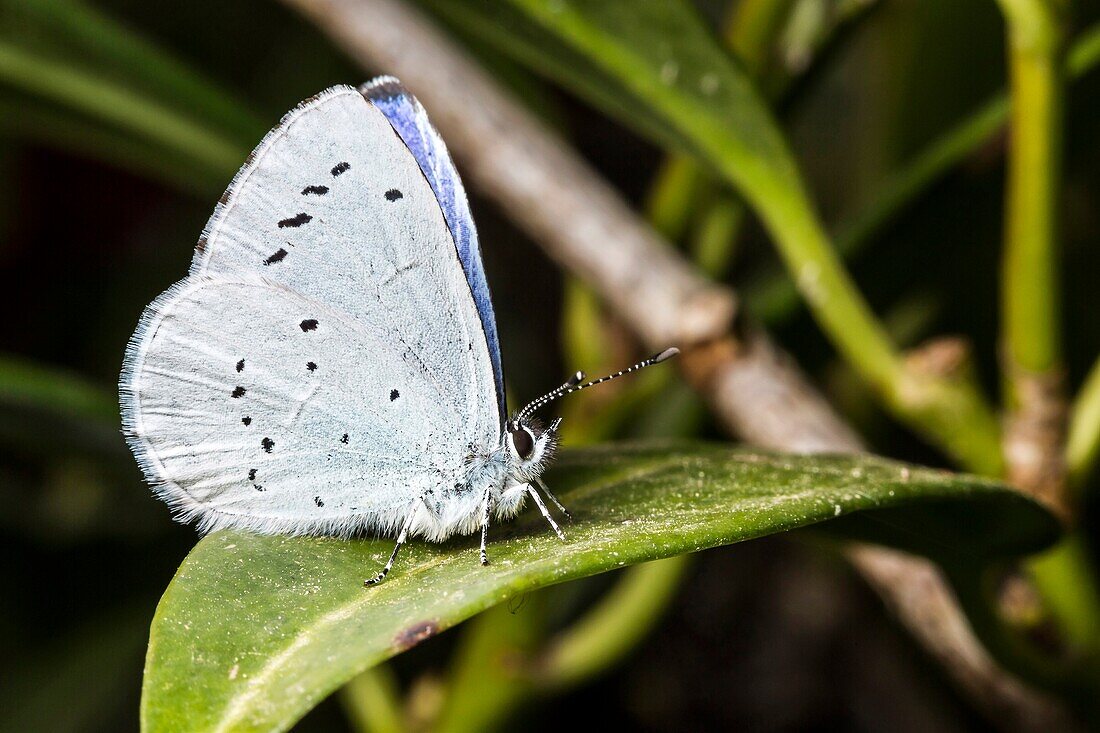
(774, 297)
(1035, 434)
(752, 30)
(672, 193)
(714, 241)
(615, 625)
(372, 701)
(750, 34)
(1031, 331)
(948, 409)
(1083, 444)
(1032, 322)
(1063, 577)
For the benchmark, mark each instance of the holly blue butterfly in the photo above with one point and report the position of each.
(331, 365)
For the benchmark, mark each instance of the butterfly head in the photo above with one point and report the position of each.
(530, 446)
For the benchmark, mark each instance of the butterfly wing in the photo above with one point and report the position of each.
(410, 121)
(330, 214)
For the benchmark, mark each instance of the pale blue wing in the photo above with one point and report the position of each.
(233, 377)
(411, 123)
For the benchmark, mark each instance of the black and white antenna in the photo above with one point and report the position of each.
(574, 383)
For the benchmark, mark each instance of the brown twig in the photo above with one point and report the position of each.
(757, 390)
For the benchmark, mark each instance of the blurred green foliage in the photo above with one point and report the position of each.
(862, 138)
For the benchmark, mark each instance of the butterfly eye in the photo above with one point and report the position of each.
(523, 442)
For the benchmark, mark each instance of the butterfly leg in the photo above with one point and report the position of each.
(400, 541)
(542, 508)
(550, 495)
(486, 508)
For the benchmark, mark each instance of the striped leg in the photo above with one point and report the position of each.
(542, 508)
(487, 504)
(550, 495)
(400, 541)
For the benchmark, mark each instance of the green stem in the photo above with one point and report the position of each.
(610, 629)
(1083, 444)
(372, 701)
(672, 194)
(753, 29)
(714, 241)
(950, 412)
(1032, 322)
(774, 298)
(1032, 326)
(1063, 577)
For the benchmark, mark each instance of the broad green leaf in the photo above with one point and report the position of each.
(254, 631)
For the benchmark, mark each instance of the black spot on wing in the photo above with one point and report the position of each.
(240, 366)
(340, 168)
(315, 190)
(296, 221)
(317, 501)
(237, 392)
(277, 257)
(311, 366)
(310, 324)
(246, 420)
(394, 394)
(393, 194)
(251, 474)
(344, 439)
(257, 487)
(267, 444)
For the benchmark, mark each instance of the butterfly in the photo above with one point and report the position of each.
(331, 365)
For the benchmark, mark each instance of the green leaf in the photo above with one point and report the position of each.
(254, 631)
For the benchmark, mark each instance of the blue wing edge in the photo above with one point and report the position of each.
(410, 122)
